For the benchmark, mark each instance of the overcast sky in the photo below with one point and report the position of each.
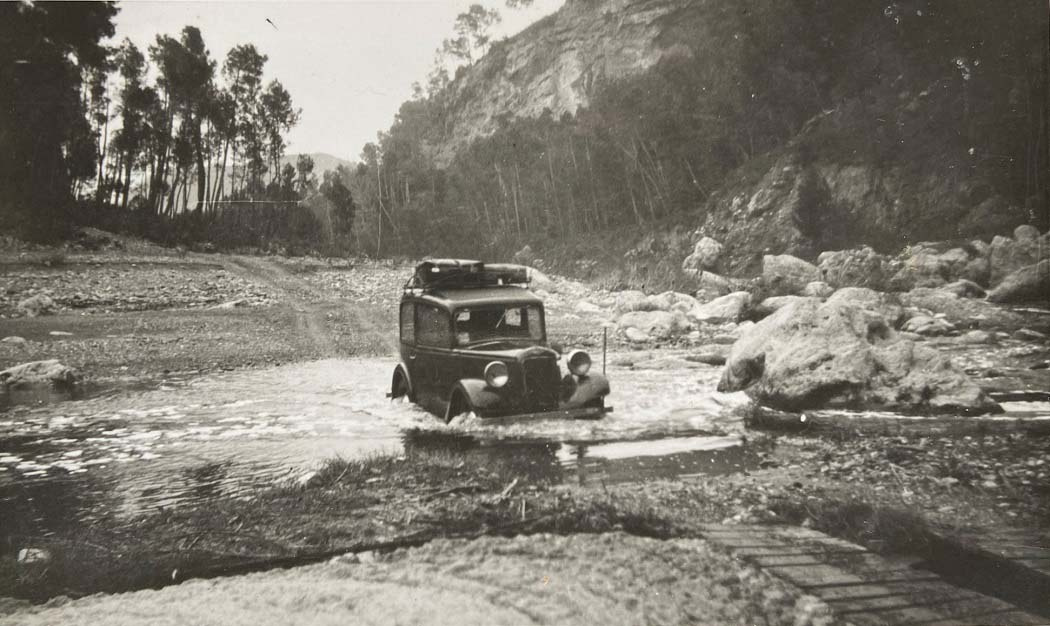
(347, 64)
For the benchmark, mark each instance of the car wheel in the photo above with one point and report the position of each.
(399, 390)
(459, 405)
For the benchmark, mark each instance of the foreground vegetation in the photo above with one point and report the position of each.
(878, 492)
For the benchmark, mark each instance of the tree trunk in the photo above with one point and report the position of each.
(127, 180)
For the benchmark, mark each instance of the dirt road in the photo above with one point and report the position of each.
(317, 309)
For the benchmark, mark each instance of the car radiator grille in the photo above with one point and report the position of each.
(541, 383)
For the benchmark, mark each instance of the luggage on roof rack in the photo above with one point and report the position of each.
(465, 274)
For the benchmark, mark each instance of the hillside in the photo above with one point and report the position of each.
(777, 127)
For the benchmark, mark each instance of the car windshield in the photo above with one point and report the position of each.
(491, 324)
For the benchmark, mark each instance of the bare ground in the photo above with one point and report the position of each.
(878, 489)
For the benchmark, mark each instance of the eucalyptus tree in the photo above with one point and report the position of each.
(243, 70)
(278, 116)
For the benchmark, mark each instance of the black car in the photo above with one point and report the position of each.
(473, 340)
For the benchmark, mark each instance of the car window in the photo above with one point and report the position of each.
(495, 322)
(432, 327)
(408, 322)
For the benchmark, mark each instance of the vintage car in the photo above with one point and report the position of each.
(473, 340)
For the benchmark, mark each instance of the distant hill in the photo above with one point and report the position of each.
(323, 161)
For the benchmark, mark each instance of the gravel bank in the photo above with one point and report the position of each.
(541, 579)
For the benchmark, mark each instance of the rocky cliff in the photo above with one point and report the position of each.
(558, 63)
(772, 127)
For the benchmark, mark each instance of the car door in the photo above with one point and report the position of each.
(407, 333)
(433, 330)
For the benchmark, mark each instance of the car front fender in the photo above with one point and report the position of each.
(588, 388)
(481, 396)
(401, 370)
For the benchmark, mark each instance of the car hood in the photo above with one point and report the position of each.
(519, 354)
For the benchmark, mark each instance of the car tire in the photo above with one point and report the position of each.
(400, 387)
(458, 405)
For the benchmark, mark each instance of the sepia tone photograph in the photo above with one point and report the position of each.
(500, 312)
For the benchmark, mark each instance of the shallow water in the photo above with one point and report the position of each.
(227, 434)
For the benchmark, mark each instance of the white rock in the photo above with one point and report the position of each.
(33, 555)
(584, 306)
(728, 308)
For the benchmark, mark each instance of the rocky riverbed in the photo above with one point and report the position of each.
(804, 340)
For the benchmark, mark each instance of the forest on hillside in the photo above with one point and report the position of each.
(183, 145)
(168, 142)
(917, 85)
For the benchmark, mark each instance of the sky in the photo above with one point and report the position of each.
(348, 64)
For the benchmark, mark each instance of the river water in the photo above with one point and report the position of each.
(227, 434)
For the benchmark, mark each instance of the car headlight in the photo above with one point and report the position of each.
(496, 374)
(579, 362)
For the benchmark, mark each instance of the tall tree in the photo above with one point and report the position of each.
(44, 50)
(472, 38)
(278, 116)
(243, 70)
(305, 180)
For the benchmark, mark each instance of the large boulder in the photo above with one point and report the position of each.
(965, 289)
(39, 304)
(932, 265)
(1028, 284)
(656, 324)
(773, 304)
(783, 274)
(680, 301)
(962, 311)
(1026, 233)
(525, 256)
(49, 372)
(539, 280)
(810, 355)
(818, 289)
(1008, 255)
(861, 267)
(728, 308)
(705, 256)
(711, 285)
(928, 326)
(886, 306)
(630, 300)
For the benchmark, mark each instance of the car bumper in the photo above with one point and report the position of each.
(579, 413)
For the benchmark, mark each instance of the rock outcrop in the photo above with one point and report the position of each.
(557, 64)
(810, 355)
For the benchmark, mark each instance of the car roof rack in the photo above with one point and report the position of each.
(465, 274)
